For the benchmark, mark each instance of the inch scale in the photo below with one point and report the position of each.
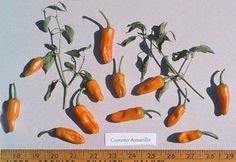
(118, 155)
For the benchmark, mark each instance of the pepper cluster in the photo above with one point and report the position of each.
(158, 83)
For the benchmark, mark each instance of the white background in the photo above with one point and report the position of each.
(194, 22)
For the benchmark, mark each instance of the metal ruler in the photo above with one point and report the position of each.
(118, 155)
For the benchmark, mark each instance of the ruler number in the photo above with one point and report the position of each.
(189, 156)
(53, 155)
(210, 156)
(93, 156)
(131, 155)
(72, 155)
(35, 155)
(170, 156)
(151, 155)
(16, 155)
(111, 155)
(229, 155)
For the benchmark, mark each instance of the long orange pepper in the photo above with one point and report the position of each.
(176, 115)
(192, 135)
(65, 134)
(34, 66)
(85, 117)
(130, 114)
(107, 41)
(151, 85)
(118, 81)
(13, 109)
(223, 95)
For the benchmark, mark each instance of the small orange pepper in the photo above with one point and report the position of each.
(85, 117)
(223, 95)
(34, 66)
(13, 109)
(118, 81)
(94, 90)
(65, 134)
(174, 117)
(151, 85)
(107, 41)
(131, 114)
(192, 135)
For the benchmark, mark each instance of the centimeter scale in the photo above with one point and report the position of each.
(118, 156)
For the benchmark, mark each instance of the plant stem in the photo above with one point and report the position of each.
(64, 96)
(187, 67)
(182, 66)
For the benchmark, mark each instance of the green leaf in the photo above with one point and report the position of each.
(181, 54)
(53, 7)
(202, 48)
(68, 34)
(63, 5)
(162, 28)
(84, 48)
(45, 24)
(51, 47)
(127, 41)
(48, 61)
(73, 53)
(165, 66)
(144, 67)
(136, 25)
(69, 65)
(160, 92)
(51, 87)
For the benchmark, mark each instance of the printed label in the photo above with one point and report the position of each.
(128, 139)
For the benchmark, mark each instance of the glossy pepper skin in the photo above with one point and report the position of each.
(65, 134)
(176, 115)
(94, 89)
(13, 111)
(34, 66)
(107, 41)
(118, 82)
(151, 85)
(223, 95)
(86, 119)
(130, 114)
(192, 135)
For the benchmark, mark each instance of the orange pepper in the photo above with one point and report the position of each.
(107, 41)
(223, 95)
(94, 90)
(34, 66)
(86, 119)
(13, 109)
(192, 135)
(65, 134)
(151, 85)
(118, 81)
(177, 114)
(130, 114)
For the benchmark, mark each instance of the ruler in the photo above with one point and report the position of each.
(118, 155)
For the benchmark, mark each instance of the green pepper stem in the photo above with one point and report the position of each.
(186, 95)
(104, 16)
(210, 134)
(147, 112)
(77, 98)
(85, 74)
(221, 76)
(119, 68)
(51, 132)
(13, 91)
